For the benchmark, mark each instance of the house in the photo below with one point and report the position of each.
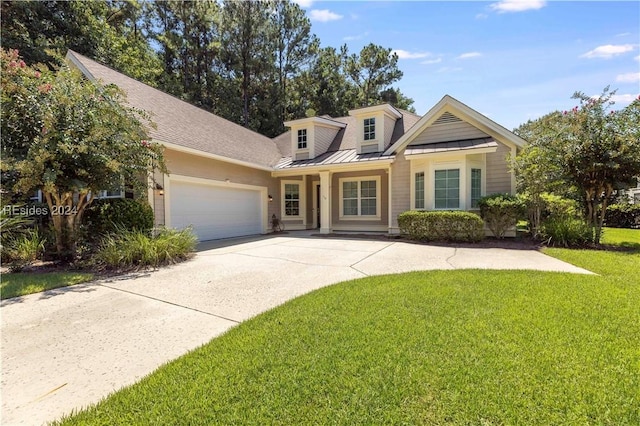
(353, 173)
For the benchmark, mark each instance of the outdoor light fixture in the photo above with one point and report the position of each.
(227, 180)
(270, 198)
(160, 189)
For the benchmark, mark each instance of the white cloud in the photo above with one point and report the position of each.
(432, 61)
(631, 77)
(403, 54)
(469, 55)
(355, 37)
(304, 3)
(624, 99)
(608, 51)
(324, 15)
(637, 58)
(505, 6)
(482, 16)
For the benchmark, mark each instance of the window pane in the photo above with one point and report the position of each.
(368, 207)
(350, 207)
(368, 188)
(350, 189)
(419, 190)
(292, 199)
(369, 129)
(302, 138)
(447, 189)
(476, 187)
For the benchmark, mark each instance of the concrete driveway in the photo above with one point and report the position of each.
(65, 349)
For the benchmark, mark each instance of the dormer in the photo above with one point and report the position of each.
(312, 136)
(375, 127)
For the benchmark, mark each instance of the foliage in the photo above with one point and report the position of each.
(623, 215)
(11, 225)
(23, 250)
(500, 212)
(566, 231)
(22, 284)
(441, 226)
(590, 148)
(137, 249)
(440, 347)
(70, 138)
(110, 215)
(105, 30)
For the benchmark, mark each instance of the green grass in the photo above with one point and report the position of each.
(629, 238)
(21, 284)
(440, 347)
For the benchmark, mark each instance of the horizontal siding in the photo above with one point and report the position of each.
(389, 125)
(400, 187)
(498, 174)
(323, 138)
(448, 132)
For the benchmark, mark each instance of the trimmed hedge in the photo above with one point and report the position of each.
(623, 215)
(109, 215)
(441, 226)
(501, 212)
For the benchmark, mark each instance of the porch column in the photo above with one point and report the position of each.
(325, 202)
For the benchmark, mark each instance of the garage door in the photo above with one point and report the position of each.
(215, 211)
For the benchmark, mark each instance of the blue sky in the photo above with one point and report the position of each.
(511, 60)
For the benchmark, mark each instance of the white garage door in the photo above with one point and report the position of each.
(215, 211)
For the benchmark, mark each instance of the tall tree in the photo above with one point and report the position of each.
(70, 138)
(295, 46)
(372, 71)
(591, 147)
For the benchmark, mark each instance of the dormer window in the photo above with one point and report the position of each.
(369, 129)
(302, 138)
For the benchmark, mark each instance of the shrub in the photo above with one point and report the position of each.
(137, 249)
(441, 226)
(566, 231)
(500, 212)
(623, 215)
(110, 215)
(24, 249)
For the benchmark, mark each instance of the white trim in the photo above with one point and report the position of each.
(315, 120)
(360, 179)
(389, 202)
(301, 200)
(383, 108)
(468, 151)
(449, 104)
(314, 203)
(355, 166)
(204, 154)
(264, 196)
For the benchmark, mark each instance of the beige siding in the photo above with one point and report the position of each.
(448, 132)
(400, 186)
(323, 138)
(360, 224)
(302, 156)
(389, 124)
(498, 174)
(158, 201)
(180, 163)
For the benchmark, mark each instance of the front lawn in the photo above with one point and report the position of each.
(21, 284)
(440, 347)
(629, 238)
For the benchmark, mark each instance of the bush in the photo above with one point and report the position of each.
(24, 249)
(109, 215)
(566, 231)
(137, 249)
(623, 215)
(441, 226)
(501, 212)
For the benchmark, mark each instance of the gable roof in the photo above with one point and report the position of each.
(183, 126)
(453, 106)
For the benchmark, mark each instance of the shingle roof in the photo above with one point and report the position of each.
(451, 146)
(183, 124)
(333, 157)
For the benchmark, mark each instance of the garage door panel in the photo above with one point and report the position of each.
(215, 211)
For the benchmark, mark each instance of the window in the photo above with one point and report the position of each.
(369, 129)
(419, 190)
(476, 187)
(302, 138)
(291, 199)
(360, 197)
(115, 193)
(37, 196)
(447, 189)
